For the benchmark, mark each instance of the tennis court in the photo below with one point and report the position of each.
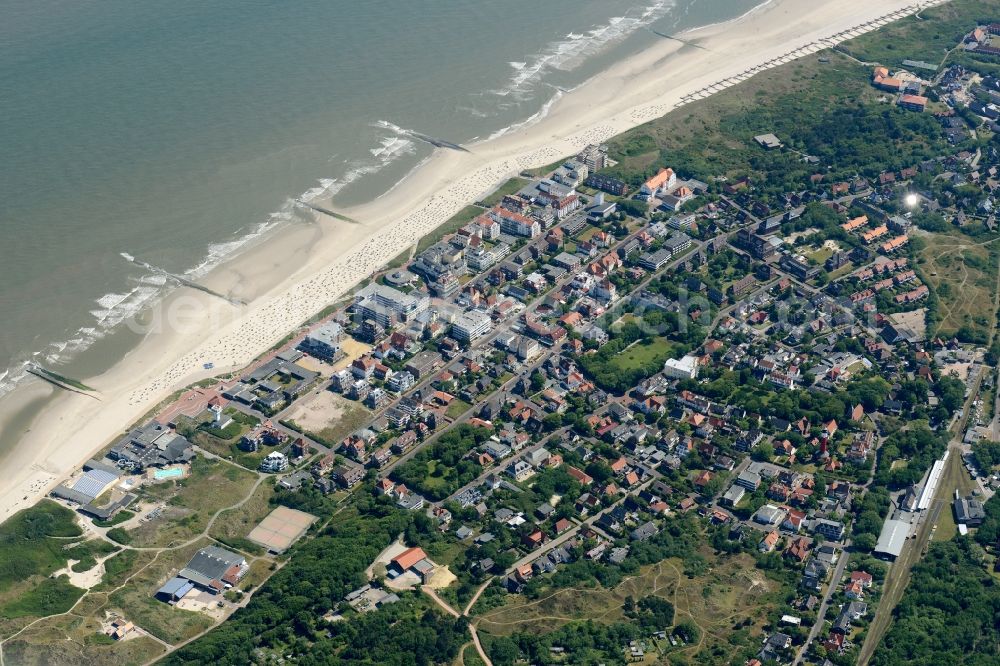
(281, 528)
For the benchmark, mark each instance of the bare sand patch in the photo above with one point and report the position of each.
(441, 578)
(319, 411)
(85, 579)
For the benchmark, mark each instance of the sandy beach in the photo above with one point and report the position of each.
(303, 268)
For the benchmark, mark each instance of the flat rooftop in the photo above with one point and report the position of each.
(281, 528)
(893, 538)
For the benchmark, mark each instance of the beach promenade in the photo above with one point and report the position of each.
(273, 287)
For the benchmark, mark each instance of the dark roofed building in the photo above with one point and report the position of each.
(214, 569)
(152, 445)
(969, 512)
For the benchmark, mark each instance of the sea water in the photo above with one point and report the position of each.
(176, 132)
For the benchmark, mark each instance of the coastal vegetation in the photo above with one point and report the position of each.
(948, 612)
(58, 379)
(712, 594)
(137, 602)
(711, 604)
(928, 36)
(962, 273)
(450, 226)
(189, 503)
(34, 544)
(511, 186)
(285, 615)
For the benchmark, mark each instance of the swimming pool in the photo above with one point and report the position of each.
(169, 473)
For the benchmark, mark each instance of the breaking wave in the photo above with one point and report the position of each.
(567, 53)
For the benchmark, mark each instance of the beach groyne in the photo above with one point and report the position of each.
(57, 380)
(180, 279)
(325, 211)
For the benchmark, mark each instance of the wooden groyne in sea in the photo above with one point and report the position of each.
(57, 380)
(686, 42)
(181, 280)
(439, 143)
(326, 211)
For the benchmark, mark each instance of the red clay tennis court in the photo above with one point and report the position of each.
(281, 528)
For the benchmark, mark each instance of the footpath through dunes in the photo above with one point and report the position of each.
(738, 595)
(310, 275)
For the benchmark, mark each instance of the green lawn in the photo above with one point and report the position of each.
(457, 408)
(118, 519)
(639, 355)
(821, 255)
(437, 476)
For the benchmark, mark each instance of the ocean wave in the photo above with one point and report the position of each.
(569, 52)
(219, 252)
(530, 120)
(388, 150)
(750, 12)
(392, 147)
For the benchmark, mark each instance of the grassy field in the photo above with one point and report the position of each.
(77, 641)
(639, 355)
(44, 596)
(457, 408)
(962, 273)
(260, 571)
(436, 477)
(122, 516)
(232, 527)
(954, 476)
(87, 552)
(730, 593)
(470, 657)
(327, 417)
(117, 569)
(354, 416)
(190, 503)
